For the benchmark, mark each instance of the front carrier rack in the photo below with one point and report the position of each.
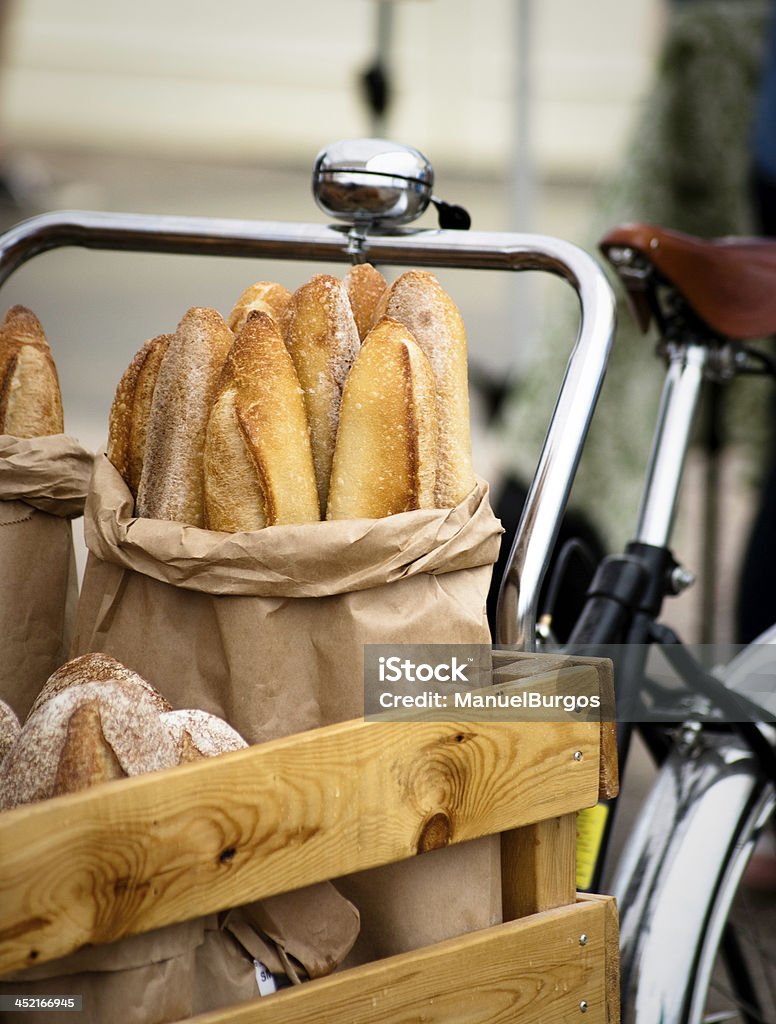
(581, 384)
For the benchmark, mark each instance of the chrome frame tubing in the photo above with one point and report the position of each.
(579, 391)
(676, 415)
(679, 871)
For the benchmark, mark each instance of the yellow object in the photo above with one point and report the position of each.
(591, 823)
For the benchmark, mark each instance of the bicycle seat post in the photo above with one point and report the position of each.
(671, 440)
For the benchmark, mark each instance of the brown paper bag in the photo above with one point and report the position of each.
(267, 629)
(301, 935)
(43, 485)
(143, 979)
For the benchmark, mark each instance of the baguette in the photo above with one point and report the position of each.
(321, 334)
(417, 300)
(365, 286)
(130, 411)
(386, 453)
(30, 399)
(264, 296)
(171, 483)
(258, 464)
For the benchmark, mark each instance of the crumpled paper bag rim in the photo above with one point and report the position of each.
(50, 473)
(306, 560)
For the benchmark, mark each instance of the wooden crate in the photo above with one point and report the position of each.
(129, 856)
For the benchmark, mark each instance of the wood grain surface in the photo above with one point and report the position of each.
(538, 866)
(517, 665)
(135, 854)
(535, 971)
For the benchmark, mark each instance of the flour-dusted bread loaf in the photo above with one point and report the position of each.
(258, 462)
(417, 300)
(322, 337)
(197, 734)
(10, 727)
(365, 286)
(265, 297)
(89, 733)
(386, 453)
(97, 667)
(172, 484)
(131, 409)
(30, 399)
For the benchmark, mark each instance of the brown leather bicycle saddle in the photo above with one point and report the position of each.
(730, 283)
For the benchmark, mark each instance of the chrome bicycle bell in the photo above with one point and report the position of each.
(374, 183)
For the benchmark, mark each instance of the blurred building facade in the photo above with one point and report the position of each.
(275, 81)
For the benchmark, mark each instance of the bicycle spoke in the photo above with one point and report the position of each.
(738, 971)
(744, 976)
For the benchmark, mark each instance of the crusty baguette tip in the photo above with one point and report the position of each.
(417, 300)
(365, 286)
(131, 410)
(264, 296)
(386, 453)
(258, 464)
(30, 399)
(172, 481)
(322, 337)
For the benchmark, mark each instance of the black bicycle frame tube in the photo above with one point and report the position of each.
(627, 593)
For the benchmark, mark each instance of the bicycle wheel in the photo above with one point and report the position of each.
(697, 943)
(740, 977)
(736, 975)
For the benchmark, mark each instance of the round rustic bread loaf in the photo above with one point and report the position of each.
(9, 729)
(96, 667)
(86, 734)
(197, 734)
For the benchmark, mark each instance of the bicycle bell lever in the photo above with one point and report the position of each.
(375, 185)
(452, 217)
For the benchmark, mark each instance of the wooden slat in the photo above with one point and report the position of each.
(534, 971)
(609, 773)
(611, 953)
(538, 867)
(129, 856)
(516, 665)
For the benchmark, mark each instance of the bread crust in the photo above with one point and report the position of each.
(96, 720)
(89, 733)
(10, 727)
(417, 300)
(321, 335)
(172, 481)
(197, 734)
(365, 286)
(30, 398)
(386, 454)
(258, 464)
(264, 296)
(97, 667)
(131, 408)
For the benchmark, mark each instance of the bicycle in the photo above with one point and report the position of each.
(698, 762)
(677, 880)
